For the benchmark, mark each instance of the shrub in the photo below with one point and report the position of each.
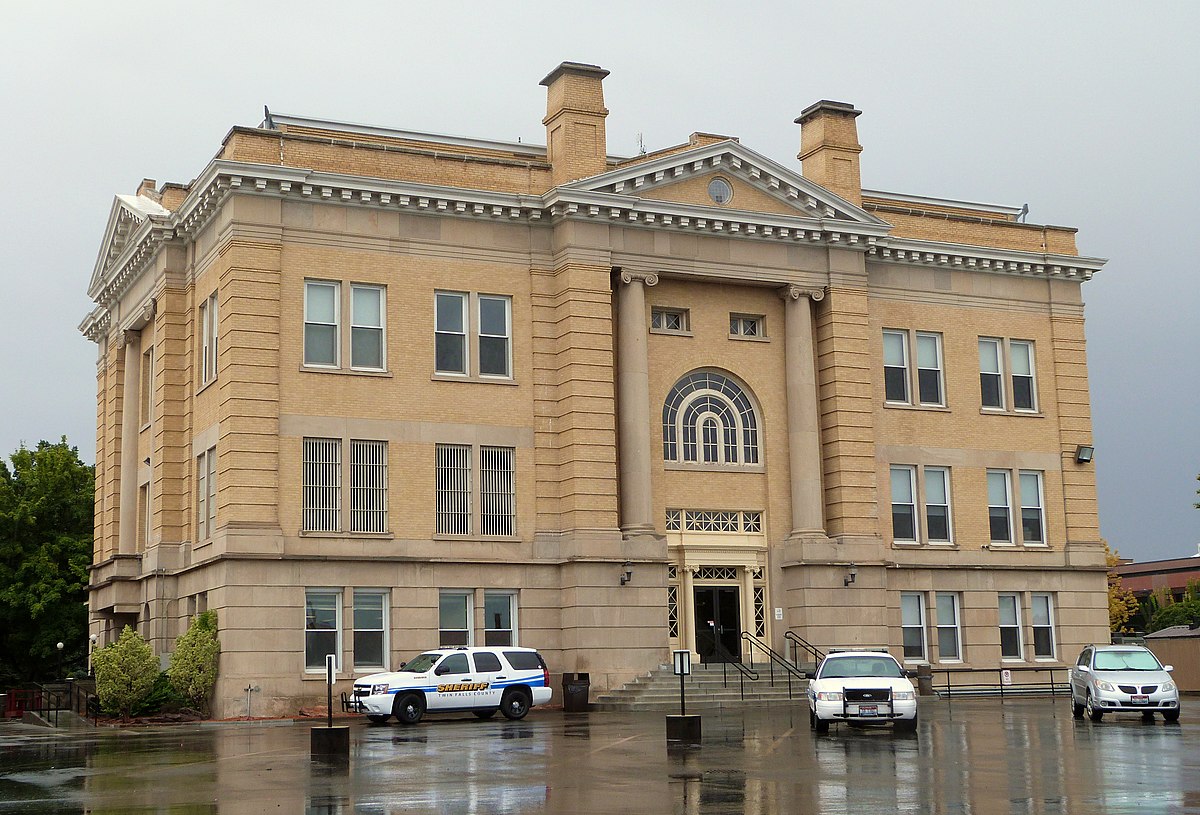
(1185, 613)
(162, 698)
(125, 673)
(193, 669)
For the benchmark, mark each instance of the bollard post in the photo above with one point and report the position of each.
(683, 730)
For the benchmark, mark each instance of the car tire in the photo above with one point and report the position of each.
(409, 708)
(907, 725)
(1076, 709)
(1094, 713)
(515, 704)
(1171, 715)
(378, 719)
(484, 714)
(1147, 715)
(819, 725)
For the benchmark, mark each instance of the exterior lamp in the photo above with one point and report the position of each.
(626, 572)
(1084, 453)
(851, 575)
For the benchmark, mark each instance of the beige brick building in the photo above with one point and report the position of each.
(366, 391)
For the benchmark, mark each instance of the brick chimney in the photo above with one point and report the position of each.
(149, 189)
(829, 148)
(574, 121)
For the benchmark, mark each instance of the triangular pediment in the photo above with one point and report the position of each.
(757, 184)
(126, 218)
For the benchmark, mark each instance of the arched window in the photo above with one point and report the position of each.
(708, 419)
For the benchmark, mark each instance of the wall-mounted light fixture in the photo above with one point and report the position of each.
(626, 572)
(851, 575)
(1084, 453)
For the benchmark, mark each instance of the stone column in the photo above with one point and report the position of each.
(804, 432)
(747, 592)
(633, 404)
(687, 611)
(130, 407)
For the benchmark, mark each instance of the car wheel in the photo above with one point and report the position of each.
(484, 714)
(1093, 712)
(381, 719)
(515, 704)
(1147, 715)
(907, 725)
(818, 724)
(409, 708)
(1076, 709)
(1171, 715)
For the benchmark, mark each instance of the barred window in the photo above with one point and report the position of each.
(760, 611)
(368, 486)
(453, 489)
(496, 495)
(708, 419)
(672, 611)
(711, 520)
(322, 485)
(717, 573)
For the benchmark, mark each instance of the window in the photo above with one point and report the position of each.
(208, 339)
(904, 504)
(1032, 519)
(1010, 627)
(453, 480)
(147, 386)
(497, 498)
(498, 616)
(454, 615)
(493, 328)
(746, 326)
(708, 419)
(321, 308)
(949, 641)
(495, 336)
(912, 625)
(366, 327)
(999, 514)
(937, 504)
(322, 610)
(206, 493)
(719, 191)
(1021, 388)
(895, 366)
(322, 485)
(1021, 353)
(368, 486)
(144, 517)
(487, 661)
(669, 320)
(1043, 626)
(929, 369)
(370, 630)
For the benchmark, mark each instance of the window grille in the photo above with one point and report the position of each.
(368, 486)
(496, 495)
(672, 611)
(717, 573)
(760, 611)
(707, 418)
(752, 522)
(453, 489)
(705, 520)
(672, 572)
(673, 520)
(757, 574)
(322, 485)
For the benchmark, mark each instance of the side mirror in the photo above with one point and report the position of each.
(1168, 668)
(810, 674)
(402, 664)
(911, 673)
(1083, 669)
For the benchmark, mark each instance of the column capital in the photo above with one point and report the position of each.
(648, 278)
(791, 292)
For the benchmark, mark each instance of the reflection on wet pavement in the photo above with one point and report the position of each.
(978, 756)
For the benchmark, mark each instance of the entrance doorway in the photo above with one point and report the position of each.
(718, 622)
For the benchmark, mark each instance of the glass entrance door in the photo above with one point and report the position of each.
(718, 622)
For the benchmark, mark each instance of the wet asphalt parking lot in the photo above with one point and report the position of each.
(969, 756)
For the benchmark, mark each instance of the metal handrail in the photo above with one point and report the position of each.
(774, 658)
(999, 688)
(729, 659)
(796, 639)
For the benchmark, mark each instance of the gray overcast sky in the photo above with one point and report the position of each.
(1087, 111)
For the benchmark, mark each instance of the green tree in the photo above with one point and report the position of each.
(46, 515)
(126, 672)
(193, 669)
(1121, 603)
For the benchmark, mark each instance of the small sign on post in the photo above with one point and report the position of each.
(330, 743)
(1006, 677)
(683, 729)
(330, 678)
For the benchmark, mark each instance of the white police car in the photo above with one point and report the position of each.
(456, 680)
(861, 687)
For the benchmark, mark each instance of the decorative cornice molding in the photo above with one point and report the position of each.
(985, 259)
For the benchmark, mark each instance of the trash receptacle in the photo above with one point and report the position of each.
(924, 680)
(575, 692)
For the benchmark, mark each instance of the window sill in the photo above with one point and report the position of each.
(1029, 414)
(312, 533)
(710, 468)
(907, 406)
(743, 338)
(942, 545)
(319, 676)
(313, 369)
(479, 380)
(1014, 547)
(479, 538)
(669, 333)
(206, 385)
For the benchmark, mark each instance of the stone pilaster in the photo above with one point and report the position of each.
(633, 404)
(804, 432)
(128, 525)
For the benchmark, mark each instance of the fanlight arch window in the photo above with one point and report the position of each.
(708, 419)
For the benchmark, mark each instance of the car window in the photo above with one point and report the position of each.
(860, 666)
(523, 660)
(1084, 657)
(420, 664)
(1126, 661)
(486, 661)
(453, 664)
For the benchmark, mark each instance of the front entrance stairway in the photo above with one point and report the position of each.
(706, 689)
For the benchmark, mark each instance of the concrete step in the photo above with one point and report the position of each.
(705, 689)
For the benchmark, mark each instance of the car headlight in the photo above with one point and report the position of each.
(1105, 686)
(829, 696)
(378, 689)
(1167, 687)
(903, 696)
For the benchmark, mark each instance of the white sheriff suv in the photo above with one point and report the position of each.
(861, 687)
(457, 680)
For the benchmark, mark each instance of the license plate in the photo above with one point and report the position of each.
(868, 710)
(1140, 700)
